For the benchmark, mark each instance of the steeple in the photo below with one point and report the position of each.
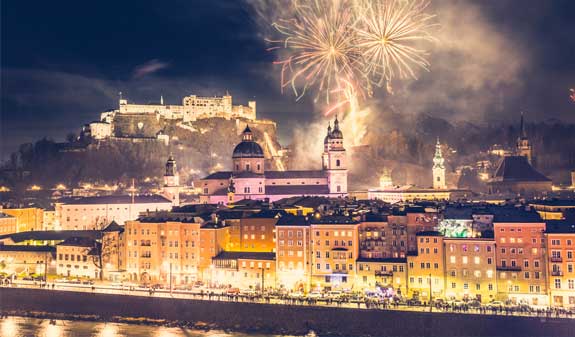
(438, 168)
(161, 100)
(171, 189)
(523, 146)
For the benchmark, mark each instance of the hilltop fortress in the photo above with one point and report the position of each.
(142, 120)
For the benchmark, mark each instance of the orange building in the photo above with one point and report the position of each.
(158, 247)
(521, 262)
(8, 224)
(335, 250)
(560, 237)
(293, 253)
(257, 231)
(426, 269)
(28, 219)
(382, 239)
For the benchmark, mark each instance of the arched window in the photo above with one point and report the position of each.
(337, 163)
(338, 188)
(258, 167)
(237, 167)
(247, 167)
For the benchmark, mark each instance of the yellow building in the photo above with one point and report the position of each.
(28, 219)
(552, 209)
(244, 270)
(8, 224)
(335, 250)
(470, 269)
(560, 238)
(426, 269)
(387, 274)
(26, 260)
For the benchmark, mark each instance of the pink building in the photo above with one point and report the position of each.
(249, 180)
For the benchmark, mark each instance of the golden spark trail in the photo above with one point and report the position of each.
(275, 155)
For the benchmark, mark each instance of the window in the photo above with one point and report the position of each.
(337, 163)
(557, 283)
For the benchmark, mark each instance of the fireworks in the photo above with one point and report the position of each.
(388, 33)
(321, 47)
(572, 96)
(329, 45)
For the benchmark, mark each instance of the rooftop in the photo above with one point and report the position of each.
(560, 227)
(293, 220)
(245, 256)
(294, 174)
(26, 248)
(78, 242)
(333, 220)
(428, 233)
(300, 190)
(116, 199)
(51, 235)
(517, 168)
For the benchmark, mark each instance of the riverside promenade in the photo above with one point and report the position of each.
(281, 318)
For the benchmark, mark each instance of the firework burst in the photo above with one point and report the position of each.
(387, 35)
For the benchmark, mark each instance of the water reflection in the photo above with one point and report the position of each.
(9, 327)
(108, 330)
(27, 327)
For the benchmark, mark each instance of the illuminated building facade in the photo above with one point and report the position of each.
(470, 269)
(250, 180)
(560, 238)
(334, 252)
(521, 262)
(426, 268)
(293, 253)
(244, 270)
(78, 257)
(27, 219)
(388, 275)
(8, 224)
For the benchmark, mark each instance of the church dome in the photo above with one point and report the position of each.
(248, 148)
(336, 133)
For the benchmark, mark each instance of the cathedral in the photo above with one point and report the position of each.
(516, 175)
(249, 179)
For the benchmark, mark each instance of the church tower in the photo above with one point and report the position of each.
(438, 168)
(334, 160)
(171, 189)
(523, 146)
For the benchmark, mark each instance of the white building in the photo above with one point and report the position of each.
(438, 169)
(96, 212)
(193, 108)
(78, 257)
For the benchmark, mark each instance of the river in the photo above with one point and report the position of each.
(35, 327)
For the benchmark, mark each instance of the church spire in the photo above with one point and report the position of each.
(523, 134)
(438, 168)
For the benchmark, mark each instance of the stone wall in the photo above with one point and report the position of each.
(294, 320)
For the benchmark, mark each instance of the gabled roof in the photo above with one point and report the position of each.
(113, 227)
(515, 215)
(517, 168)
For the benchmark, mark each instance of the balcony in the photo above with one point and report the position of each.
(509, 268)
(340, 271)
(383, 273)
(557, 273)
(556, 259)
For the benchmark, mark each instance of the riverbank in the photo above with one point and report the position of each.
(275, 318)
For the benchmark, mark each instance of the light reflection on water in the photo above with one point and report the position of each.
(34, 327)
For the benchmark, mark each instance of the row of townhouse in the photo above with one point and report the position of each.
(522, 258)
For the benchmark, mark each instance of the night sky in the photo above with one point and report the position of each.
(63, 62)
